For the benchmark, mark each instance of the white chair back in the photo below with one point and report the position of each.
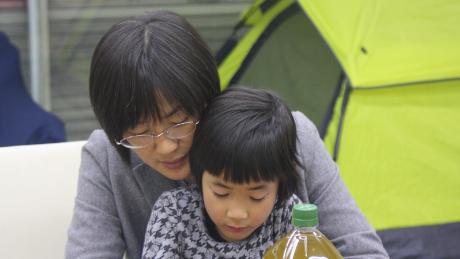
(37, 191)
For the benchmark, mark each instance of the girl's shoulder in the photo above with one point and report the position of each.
(185, 199)
(285, 208)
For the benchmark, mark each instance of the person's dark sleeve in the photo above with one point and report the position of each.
(52, 131)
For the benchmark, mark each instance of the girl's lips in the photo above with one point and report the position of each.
(236, 230)
(175, 163)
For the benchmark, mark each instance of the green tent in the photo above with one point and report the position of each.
(381, 80)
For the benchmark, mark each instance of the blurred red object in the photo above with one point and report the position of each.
(12, 3)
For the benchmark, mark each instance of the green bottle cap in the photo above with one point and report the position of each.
(305, 215)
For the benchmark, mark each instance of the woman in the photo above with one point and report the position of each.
(151, 78)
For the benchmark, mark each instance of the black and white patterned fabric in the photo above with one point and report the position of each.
(176, 229)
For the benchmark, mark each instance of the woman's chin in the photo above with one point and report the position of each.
(177, 174)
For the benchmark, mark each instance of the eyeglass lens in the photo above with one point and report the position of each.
(174, 132)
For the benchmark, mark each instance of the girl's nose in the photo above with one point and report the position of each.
(237, 212)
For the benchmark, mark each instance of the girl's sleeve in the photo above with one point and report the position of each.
(161, 240)
(339, 216)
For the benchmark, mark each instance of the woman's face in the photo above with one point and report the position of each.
(237, 210)
(167, 156)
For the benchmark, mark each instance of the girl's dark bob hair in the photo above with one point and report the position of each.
(144, 61)
(247, 134)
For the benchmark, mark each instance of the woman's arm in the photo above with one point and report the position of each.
(95, 230)
(339, 217)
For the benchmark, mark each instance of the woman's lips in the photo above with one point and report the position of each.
(174, 164)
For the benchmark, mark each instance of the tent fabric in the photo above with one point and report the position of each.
(401, 146)
(272, 61)
(22, 121)
(392, 119)
(391, 42)
(235, 58)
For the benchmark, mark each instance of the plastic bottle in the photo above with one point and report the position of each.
(305, 241)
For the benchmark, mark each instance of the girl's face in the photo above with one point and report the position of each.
(167, 156)
(237, 210)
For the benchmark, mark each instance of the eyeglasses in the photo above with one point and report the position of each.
(177, 131)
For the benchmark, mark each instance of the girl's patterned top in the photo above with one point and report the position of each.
(177, 229)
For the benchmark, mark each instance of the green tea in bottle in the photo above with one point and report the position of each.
(305, 241)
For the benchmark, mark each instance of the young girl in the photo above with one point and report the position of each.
(243, 159)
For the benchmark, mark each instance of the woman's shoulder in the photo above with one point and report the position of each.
(98, 149)
(98, 139)
(98, 144)
(309, 141)
(305, 127)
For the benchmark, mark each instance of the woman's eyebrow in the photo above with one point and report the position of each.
(137, 132)
(170, 113)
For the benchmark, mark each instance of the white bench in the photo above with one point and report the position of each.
(37, 191)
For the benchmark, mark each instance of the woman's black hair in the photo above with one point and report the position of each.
(247, 134)
(143, 61)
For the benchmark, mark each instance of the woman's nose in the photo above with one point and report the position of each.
(164, 145)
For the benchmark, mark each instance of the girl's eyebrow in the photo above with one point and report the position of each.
(253, 188)
(219, 184)
(258, 187)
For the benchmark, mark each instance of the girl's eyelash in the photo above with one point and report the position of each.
(221, 195)
(257, 199)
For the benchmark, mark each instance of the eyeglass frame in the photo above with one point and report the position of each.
(156, 136)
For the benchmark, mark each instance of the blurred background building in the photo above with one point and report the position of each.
(69, 31)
